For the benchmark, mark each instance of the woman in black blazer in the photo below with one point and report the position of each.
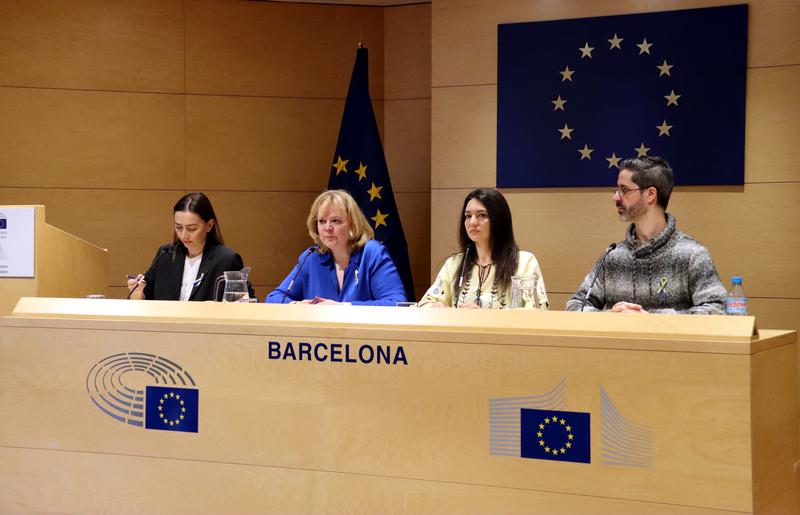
(187, 268)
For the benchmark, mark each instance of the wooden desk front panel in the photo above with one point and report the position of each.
(428, 420)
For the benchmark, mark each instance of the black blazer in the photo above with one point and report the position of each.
(165, 276)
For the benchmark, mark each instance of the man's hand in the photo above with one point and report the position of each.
(627, 307)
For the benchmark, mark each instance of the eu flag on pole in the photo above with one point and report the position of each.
(576, 96)
(555, 435)
(359, 167)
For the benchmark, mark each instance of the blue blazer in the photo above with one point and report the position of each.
(370, 278)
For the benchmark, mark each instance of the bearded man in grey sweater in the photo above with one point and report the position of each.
(656, 268)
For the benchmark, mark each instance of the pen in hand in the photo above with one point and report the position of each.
(134, 282)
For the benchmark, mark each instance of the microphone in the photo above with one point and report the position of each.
(461, 276)
(597, 274)
(161, 252)
(299, 268)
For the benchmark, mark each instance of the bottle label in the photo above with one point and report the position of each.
(736, 306)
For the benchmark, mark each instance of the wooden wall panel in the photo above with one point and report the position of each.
(463, 137)
(414, 209)
(407, 143)
(90, 139)
(407, 42)
(260, 144)
(464, 36)
(773, 125)
(267, 228)
(407, 127)
(135, 45)
(131, 224)
(279, 49)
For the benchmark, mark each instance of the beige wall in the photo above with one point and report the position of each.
(110, 111)
(751, 231)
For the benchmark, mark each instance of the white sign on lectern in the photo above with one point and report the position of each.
(16, 242)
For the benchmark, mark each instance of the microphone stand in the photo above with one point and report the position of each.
(291, 283)
(461, 276)
(155, 259)
(596, 275)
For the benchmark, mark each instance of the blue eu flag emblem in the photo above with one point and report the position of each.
(171, 409)
(555, 435)
(3, 223)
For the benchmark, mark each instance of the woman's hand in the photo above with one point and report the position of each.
(469, 306)
(320, 300)
(136, 287)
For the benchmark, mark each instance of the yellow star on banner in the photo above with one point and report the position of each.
(558, 103)
(615, 41)
(641, 151)
(379, 219)
(613, 160)
(586, 51)
(663, 128)
(566, 132)
(586, 152)
(664, 69)
(672, 98)
(361, 171)
(566, 75)
(644, 47)
(375, 192)
(340, 165)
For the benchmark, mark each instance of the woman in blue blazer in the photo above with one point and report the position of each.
(346, 265)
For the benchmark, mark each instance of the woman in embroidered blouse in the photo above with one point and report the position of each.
(480, 275)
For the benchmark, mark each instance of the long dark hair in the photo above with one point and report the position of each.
(198, 204)
(505, 253)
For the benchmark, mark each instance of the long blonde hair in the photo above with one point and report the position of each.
(360, 231)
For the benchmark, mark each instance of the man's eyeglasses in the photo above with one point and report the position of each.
(622, 190)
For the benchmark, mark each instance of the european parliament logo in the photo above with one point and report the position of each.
(145, 390)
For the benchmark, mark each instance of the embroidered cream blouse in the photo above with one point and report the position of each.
(492, 297)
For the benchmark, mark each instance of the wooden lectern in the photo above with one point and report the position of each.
(112, 406)
(64, 266)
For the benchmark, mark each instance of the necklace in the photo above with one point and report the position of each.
(483, 274)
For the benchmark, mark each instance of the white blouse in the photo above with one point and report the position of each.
(190, 268)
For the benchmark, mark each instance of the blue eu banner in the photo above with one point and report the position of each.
(555, 435)
(574, 97)
(171, 409)
(359, 167)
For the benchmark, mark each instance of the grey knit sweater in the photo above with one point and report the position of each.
(672, 273)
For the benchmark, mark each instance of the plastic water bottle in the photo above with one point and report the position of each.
(736, 303)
